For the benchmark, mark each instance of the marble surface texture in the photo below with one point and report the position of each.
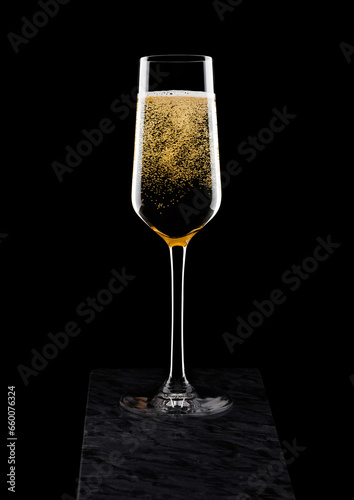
(235, 456)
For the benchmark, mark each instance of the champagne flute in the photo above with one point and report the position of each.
(176, 190)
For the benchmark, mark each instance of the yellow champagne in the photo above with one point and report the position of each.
(176, 180)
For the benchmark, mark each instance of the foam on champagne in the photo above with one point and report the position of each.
(188, 93)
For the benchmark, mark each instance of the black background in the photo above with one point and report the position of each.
(64, 238)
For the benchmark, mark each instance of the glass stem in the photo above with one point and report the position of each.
(177, 381)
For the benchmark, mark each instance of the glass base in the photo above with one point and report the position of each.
(203, 402)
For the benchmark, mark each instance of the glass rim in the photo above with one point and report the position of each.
(176, 58)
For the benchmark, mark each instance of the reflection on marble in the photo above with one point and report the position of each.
(235, 456)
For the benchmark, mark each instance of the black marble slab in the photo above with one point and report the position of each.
(235, 456)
